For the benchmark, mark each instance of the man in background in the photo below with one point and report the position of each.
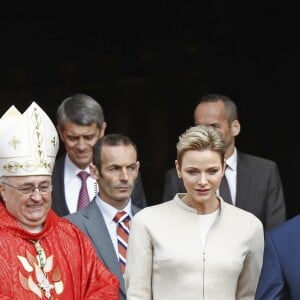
(80, 124)
(254, 182)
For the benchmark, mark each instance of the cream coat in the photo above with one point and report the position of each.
(166, 259)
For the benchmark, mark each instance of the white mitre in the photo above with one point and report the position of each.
(28, 142)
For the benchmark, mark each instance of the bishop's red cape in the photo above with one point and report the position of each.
(71, 269)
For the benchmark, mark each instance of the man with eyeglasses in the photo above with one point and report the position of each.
(43, 256)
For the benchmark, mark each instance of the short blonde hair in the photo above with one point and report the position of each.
(200, 137)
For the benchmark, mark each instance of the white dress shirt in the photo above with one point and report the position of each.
(109, 213)
(73, 184)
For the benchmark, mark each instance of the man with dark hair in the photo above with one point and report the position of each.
(254, 182)
(80, 124)
(115, 167)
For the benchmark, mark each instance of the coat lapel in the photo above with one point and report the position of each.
(98, 233)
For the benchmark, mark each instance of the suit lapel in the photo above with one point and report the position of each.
(59, 203)
(134, 209)
(242, 181)
(98, 233)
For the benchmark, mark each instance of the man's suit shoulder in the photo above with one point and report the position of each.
(288, 230)
(59, 163)
(259, 166)
(256, 160)
(75, 216)
(92, 210)
(77, 219)
(171, 172)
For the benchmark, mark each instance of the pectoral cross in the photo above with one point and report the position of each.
(46, 286)
(44, 283)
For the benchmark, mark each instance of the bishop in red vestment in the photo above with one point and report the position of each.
(42, 255)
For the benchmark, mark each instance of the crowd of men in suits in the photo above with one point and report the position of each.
(254, 182)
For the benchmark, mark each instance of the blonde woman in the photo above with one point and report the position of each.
(195, 246)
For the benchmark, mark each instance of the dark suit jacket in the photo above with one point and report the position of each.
(59, 204)
(90, 220)
(280, 274)
(258, 188)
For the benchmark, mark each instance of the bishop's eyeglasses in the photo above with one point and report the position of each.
(43, 188)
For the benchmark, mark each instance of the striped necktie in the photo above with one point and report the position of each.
(122, 219)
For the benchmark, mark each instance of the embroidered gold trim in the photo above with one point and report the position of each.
(40, 162)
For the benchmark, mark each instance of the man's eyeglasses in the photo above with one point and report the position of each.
(43, 189)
